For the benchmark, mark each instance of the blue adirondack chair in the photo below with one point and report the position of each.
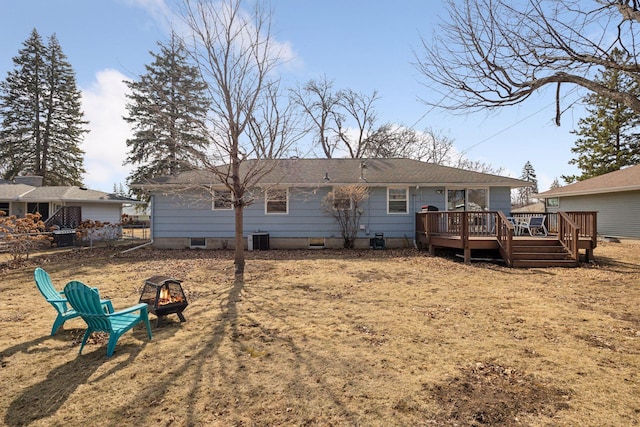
(58, 300)
(86, 302)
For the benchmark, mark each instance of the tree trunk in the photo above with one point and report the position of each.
(239, 246)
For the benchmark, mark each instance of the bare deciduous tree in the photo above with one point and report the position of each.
(248, 122)
(343, 120)
(359, 109)
(319, 103)
(494, 53)
(391, 141)
(344, 204)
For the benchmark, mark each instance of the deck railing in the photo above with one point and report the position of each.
(504, 233)
(568, 234)
(65, 217)
(458, 223)
(572, 228)
(587, 223)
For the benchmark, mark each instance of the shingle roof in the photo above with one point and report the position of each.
(312, 172)
(627, 179)
(28, 193)
(13, 191)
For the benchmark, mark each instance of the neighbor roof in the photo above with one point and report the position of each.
(371, 172)
(28, 193)
(627, 179)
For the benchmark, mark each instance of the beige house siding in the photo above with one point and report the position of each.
(618, 213)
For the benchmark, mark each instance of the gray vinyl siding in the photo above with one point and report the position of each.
(176, 217)
(500, 199)
(618, 213)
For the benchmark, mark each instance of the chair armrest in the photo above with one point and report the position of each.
(57, 300)
(108, 305)
(141, 306)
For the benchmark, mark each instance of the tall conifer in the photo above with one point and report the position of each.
(167, 111)
(42, 119)
(528, 174)
(609, 137)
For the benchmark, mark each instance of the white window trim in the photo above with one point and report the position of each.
(335, 191)
(266, 201)
(406, 199)
(213, 202)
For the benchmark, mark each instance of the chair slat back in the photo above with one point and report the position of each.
(86, 301)
(536, 221)
(46, 288)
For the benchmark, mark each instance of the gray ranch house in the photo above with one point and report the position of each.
(615, 196)
(192, 210)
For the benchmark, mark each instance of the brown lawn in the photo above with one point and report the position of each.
(332, 338)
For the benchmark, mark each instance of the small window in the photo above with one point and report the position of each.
(276, 201)
(316, 243)
(553, 202)
(4, 207)
(222, 200)
(397, 200)
(198, 242)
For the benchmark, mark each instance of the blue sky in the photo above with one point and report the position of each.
(359, 44)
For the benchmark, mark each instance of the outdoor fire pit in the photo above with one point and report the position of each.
(164, 295)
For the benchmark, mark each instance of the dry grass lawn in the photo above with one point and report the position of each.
(331, 338)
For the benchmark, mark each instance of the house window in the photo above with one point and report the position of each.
(342, 200)
(276, 201)
(397, 200)
(553, 202)
(222, 200)
(4, 207)
(41, 208)
(469, 199)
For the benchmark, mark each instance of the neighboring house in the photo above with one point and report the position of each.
(27, 195)
(287, 208)
(614, 196)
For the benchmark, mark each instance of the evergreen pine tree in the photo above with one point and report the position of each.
(41, 114)
(61, 156)
(555, 184)
(167, 110)
(608, 137)
(20, 102)
(528, 174)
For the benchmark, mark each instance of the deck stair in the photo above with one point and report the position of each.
(540, 252)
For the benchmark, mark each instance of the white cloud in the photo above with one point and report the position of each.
(105, 145)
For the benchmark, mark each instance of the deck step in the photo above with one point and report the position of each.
(540, 263)
(540, 253)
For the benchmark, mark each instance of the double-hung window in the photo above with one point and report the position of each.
(397, 200)
(222, 200)
(342, 199)
(277, 201)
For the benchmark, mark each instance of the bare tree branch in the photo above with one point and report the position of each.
(495, 53)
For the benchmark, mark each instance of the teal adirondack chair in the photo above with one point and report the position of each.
(86, 302)
(58, 300)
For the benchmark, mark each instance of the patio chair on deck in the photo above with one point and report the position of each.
(534, 225)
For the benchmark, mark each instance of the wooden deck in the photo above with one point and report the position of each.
(569, 233)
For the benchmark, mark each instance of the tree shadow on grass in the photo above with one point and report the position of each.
(196, 362)
(44, 398)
